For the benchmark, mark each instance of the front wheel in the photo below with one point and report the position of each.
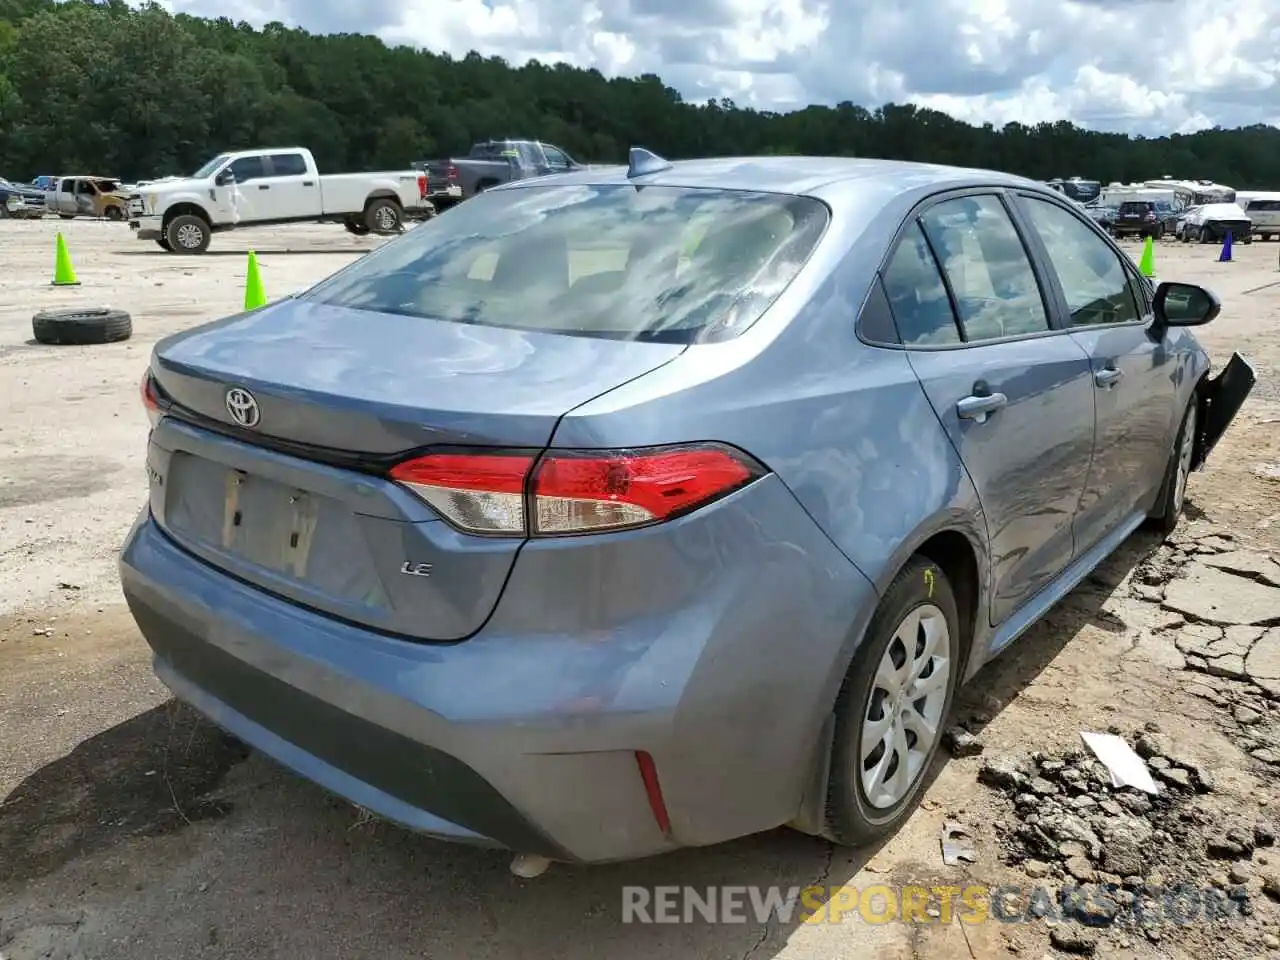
(187, 234)
(1173, 491)
(890, 713)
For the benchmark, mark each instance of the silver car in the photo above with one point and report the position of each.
(647, 507)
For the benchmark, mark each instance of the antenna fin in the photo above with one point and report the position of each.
(641, 162)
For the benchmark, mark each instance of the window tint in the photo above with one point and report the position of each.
(1263, 206)
(247, 168)
(917, 295)
(287, 165)
(1097, 287)
(990, 274)
(665, 264)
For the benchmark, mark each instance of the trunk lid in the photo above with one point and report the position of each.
(297, 503)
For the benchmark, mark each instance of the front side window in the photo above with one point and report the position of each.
(246, 169)
(1097, 287)
(665, 264)
(990, 274)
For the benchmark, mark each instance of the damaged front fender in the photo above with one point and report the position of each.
(1221, 398)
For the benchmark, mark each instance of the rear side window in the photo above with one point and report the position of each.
(665, 264)
(1263, 206)
(287, 164)
(985, 263)
(917, 295)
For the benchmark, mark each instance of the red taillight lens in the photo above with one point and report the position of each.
(451, 172)
(567, 492)
(151, 398)
(423, 186)
(478, 493)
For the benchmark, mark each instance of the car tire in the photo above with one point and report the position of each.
(163, 244)
(81, 325)
(187, 234)
(1173, 488)
(1205, 235)
(857, 812)
(113, 213)
(383, 216)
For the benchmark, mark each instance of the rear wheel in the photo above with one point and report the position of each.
(383, 216)
(163, 244)
(891, 710)
(113, 213)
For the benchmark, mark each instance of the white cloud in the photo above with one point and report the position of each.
(1141, 66)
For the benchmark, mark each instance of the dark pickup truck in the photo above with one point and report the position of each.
(489, 164)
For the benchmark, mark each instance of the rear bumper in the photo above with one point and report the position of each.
(525, 738)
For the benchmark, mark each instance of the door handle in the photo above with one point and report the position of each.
(1108, 376)
(263, 186)
(979, 407)
(308, 183)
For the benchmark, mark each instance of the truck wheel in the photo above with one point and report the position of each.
(187, 234)
(353, 225)
(81, 325)
(383, 216)
(113, 213)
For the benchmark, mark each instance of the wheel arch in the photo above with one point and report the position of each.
(186, 209)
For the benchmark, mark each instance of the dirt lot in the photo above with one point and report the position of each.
(131, 829)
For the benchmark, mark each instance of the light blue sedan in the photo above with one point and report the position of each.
(648, 507)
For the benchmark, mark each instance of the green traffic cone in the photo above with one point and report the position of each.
(64, 274)
(254, 295)
(1147, 265)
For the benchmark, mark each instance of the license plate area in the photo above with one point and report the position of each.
(246, 521)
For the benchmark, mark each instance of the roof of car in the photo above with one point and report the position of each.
(795, 175)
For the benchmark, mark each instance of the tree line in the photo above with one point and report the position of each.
(100, 87)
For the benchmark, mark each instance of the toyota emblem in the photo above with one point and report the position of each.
(243, 407)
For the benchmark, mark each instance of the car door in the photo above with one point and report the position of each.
(65, 196)
(86, 197)
(1014, 394)
(241, 181)
(288, 191)
(1106, 306)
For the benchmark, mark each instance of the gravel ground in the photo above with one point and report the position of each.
(131, 829)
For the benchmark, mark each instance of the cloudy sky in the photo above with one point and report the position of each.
(1143, 66)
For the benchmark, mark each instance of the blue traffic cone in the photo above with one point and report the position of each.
(1225, 255)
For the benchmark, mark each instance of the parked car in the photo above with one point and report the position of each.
(261, 187)
(84, 196)
(1138, 218)
(1263, 211)
(491, 163)
(574, 522)
(45, 182)
(1211, 222)
(19, 201)
(1103, 215)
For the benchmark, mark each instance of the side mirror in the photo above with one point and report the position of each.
(225, 177)
(1184, 305)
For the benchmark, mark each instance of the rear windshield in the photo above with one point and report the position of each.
(666, 264)
(1136, 206)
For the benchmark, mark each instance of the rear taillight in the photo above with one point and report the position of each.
(564, 492)
(151, 398)
(424, 186)
(451, 172)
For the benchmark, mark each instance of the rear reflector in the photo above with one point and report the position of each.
(653, 790)
(565, 492)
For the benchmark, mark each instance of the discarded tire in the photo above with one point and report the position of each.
(82, 325)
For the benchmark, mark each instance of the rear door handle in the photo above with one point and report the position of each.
(980, 407)
(263, 186)
(1108, 376)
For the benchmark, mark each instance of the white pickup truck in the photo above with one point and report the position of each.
(264, 187)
